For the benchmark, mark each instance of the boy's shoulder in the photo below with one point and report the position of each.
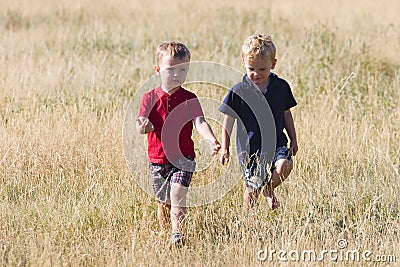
(278, 81)
(186, 94)
(243, 85)
(154, 91)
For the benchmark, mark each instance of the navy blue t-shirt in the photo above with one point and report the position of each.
(249, 106)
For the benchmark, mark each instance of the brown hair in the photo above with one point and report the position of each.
(172, 48)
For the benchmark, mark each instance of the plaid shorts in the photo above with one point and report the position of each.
(164, 175)
(255, 171)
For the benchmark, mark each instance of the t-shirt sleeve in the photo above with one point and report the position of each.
(145, 105)
(289, 101)
(195, 108)
(230, 105)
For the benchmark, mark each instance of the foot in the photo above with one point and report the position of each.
(176, 238)
(272, 201)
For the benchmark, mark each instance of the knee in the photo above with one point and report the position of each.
(284, 167)
(178, 194)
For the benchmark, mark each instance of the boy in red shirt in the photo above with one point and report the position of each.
(167, 115)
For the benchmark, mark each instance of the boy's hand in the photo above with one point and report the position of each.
(215, 146)
(143, 125)
(293, 148)
(224, 158)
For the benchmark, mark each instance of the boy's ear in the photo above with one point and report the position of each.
(273, 63)
(157, 68)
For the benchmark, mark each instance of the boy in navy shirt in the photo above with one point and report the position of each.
(258, 103)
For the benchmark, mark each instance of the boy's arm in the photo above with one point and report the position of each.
(290, 129)
(204, 129)
(227, 127)
(144, 125)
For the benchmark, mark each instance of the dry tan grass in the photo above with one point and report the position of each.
(69, 71)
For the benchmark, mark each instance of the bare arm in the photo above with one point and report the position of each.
(227, 127)
(290, 129)
(204, 129)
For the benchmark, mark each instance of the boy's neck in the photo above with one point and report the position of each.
(169, 91)
(264, 87)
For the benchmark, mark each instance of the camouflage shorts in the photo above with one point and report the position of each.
(255, 169)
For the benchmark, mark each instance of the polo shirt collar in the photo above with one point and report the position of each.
(160, 92)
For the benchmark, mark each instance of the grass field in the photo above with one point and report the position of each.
(69, 71)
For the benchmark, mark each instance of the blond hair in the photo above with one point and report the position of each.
(259, 45)
(172, 48)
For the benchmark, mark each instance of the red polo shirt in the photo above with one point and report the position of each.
(171, 115)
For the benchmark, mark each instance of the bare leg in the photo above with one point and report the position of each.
(283, 167)
(163, 214)
(269, 194)
(178, 206)
(250, 199)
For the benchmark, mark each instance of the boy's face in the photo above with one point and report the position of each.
(173, 71)
(258, 69)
